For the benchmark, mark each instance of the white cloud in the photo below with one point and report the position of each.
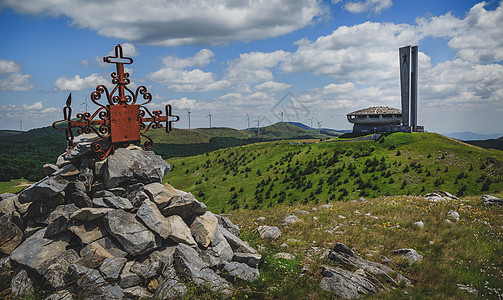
(368, 5)
(171, 23)
(77, 83)
(15, 81)
(200, 59)
(32, 115)
(254, 66)
(187, 80)
(272, 86)
(9, 66)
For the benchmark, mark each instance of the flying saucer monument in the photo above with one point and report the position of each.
(386, 119)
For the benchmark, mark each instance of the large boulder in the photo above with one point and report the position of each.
(203, 229)
(37, 249)
(132, 166)
(188, 263)
(91, 285)
(347, 284)
(171, 227)
(135, 238)
(10, 234)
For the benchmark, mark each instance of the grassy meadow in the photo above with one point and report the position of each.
(265, 174)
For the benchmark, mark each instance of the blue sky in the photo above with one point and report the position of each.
(327, 58)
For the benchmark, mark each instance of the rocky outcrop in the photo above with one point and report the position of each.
(491, 200)
(355, 276)
(111, 230)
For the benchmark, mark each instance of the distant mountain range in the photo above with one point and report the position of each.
(471, 136)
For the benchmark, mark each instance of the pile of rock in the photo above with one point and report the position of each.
(109, 230)
(355, 276)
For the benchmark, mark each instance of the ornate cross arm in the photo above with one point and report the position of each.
(120, 122)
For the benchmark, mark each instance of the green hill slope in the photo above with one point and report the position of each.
(22, 154)
(265, 174)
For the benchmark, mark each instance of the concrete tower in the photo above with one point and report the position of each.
(408, 85)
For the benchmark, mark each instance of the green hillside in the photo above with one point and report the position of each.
(22, 154)
(263, 174)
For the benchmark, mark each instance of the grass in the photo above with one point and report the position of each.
(14, 186)
(465, 252)
(265, 174)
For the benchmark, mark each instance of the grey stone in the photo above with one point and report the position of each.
(135, 194)
(146, 272)
(158, 194)
(137, 292)
(291, 219)
(454, 215)
(6, 196)
(36, 250)
(10, 234)
(113, 202)
(219, 253)
(128, 278)
(185, 206)
(76, 193)
(165, 256)
(7, 205)
(341, 248)
(491, 200)
(419, 224)
(269, 232)
(261, 219)
(240, 270)
(131, 166)
(65, 210)
(88, 232)
(376, 269)
(89, 213)
(227, 224)
(170, 287)
(93, 255)
(45, 189)
(135, 238)
(250, 259)
(60, 295)
(284, 255)
(91, 284)
(22, 208)
(346, 284)
(57, 226)
(111, 267)
(67, 171)
(55, 269)
(82, 146)
(236, 243)
(171, 227)
(189, 265)
(49, 169)
(203, 229)
(410, 254)
(111, 247)
(22, 284)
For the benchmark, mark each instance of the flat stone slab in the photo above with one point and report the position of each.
(36, 250)
(135, 238)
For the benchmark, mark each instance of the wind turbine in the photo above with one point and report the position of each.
(258, 125)
(319, 125)
(248, 120)
(209, 116)
(281, 115)
(312, 122)
(188, 112)
(85, 102)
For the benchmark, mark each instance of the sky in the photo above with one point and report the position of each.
(245, 62)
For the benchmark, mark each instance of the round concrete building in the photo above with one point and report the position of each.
(375, 119)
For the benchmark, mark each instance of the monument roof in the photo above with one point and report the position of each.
(376, 110)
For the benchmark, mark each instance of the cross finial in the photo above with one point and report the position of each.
(121, 78)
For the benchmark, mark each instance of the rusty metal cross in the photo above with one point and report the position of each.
(121, 122)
